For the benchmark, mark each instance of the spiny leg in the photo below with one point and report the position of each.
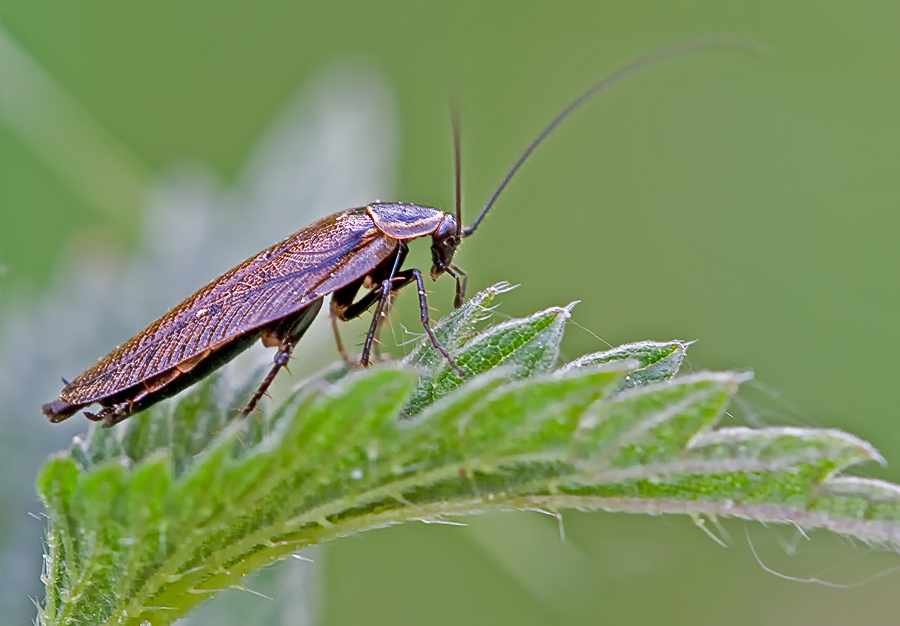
(372, 344)
(426, 322)
(344, 309)
(284, 333)
(376, 339)
(384, 296)
(385, 313)
(110, 415)
(350, 311)
(281, 360)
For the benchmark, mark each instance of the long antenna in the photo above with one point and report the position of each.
(457, 160)
(733, 43)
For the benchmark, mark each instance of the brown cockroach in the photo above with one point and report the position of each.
(275, 295)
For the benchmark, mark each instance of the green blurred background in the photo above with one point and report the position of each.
(750, 204)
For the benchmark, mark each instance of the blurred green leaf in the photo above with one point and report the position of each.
(152, 517)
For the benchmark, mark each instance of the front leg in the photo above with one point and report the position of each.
(423, 310)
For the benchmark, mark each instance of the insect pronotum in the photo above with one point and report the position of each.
(275, 295)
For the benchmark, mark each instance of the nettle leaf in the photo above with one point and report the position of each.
(658, 361)
(522, 347)
(150, 518)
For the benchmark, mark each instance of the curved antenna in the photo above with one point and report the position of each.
(457, 160)
(616, 77)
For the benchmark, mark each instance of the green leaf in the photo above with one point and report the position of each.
(150, 518)
(658, 361)
(458, 326)
(521, 346)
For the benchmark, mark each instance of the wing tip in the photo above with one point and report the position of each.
(59, 409)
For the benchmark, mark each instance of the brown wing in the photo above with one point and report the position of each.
(278, 281)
